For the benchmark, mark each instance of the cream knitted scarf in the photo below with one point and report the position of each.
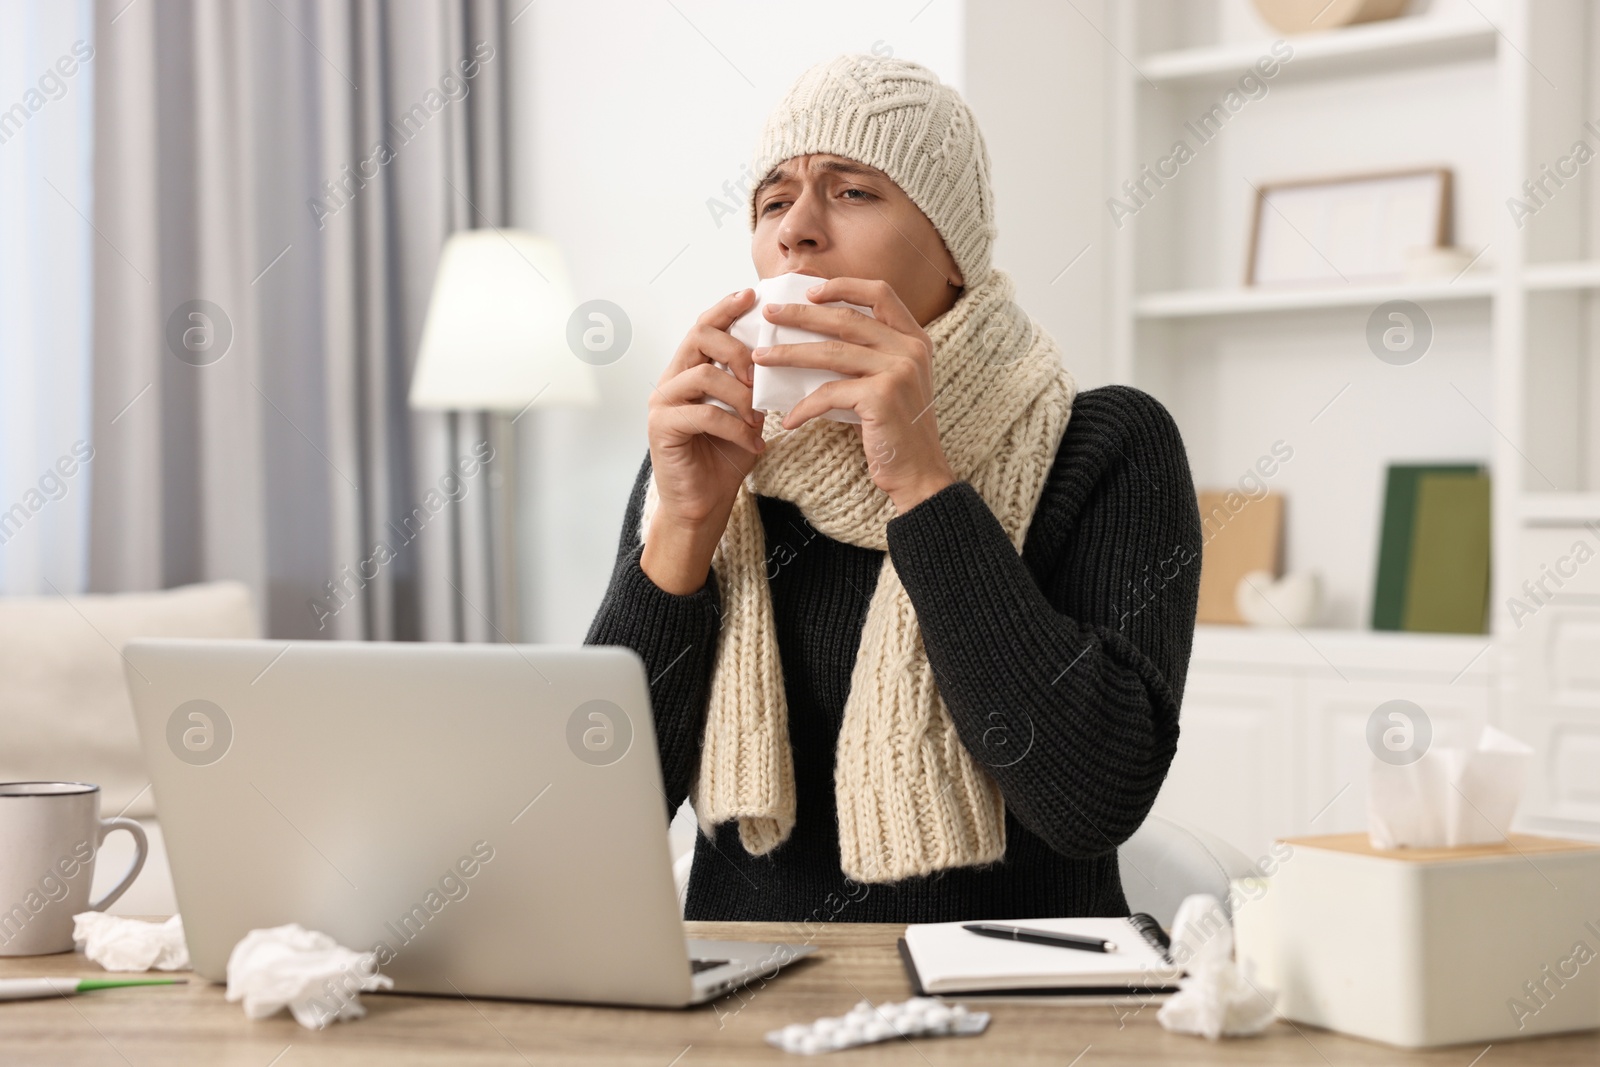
(911, 798)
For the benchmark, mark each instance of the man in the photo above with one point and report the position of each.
(926, 667)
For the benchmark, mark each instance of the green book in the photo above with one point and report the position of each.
(1447, 590)
(1395, 539)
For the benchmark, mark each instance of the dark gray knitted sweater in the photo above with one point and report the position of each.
(1063, 669)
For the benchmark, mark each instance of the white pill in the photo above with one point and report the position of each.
(794, 1031)
(811, 1044)
(825, 1026)
(877, 1030)
(939, 1015)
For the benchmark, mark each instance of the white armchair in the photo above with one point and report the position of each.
(65, 713)
(1166, 860)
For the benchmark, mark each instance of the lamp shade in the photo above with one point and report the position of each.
(495, 338)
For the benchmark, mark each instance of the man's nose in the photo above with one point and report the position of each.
(802, 223)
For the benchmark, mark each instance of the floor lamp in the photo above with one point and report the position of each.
(495, 340)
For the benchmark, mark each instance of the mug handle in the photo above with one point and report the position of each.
(139, 839)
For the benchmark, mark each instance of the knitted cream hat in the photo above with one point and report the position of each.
(897, 116)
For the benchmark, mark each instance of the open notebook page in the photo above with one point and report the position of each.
(950, 959)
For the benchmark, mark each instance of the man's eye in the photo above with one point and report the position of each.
(862, 195)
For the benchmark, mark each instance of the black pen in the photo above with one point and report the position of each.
(1040, 937)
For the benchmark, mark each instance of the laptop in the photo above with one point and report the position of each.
(487, 819)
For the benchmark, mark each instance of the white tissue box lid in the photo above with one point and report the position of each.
(1432, 946)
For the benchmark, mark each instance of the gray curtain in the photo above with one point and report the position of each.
(273, 183)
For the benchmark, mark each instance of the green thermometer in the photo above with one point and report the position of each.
(34, 988)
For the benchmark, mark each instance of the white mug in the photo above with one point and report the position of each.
(781, 388)
(50, 833)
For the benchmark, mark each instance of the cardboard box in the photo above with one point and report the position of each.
(1425, 947)
(1242, 534)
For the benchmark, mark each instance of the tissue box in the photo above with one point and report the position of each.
(1428, 946)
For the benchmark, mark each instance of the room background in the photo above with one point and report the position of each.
(204, 154)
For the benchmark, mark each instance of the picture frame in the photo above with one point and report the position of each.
(1346, 228)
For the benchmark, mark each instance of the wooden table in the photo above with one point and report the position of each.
(193, 1024)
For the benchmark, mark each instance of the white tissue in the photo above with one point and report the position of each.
(781, 388)
(310, 973)
(119, 944)
(1214, 999)
(1450, 796)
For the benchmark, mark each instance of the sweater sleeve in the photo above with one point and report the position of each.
(675, 635)
(1067, 686)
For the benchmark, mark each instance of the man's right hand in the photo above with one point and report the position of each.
(700, 453)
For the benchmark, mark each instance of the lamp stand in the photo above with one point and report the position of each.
(503, 482)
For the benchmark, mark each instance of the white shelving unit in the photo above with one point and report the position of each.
(1371, 46)
(1499, 92)
(1560, 509)
(1552, 276)
(1197, 303)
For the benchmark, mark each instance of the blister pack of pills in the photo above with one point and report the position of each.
(865, 1024)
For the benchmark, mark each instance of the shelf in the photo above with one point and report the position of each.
(1559, 509)
(1576, 274)
(1201, 303)
(1377, 45)
(1354, 652)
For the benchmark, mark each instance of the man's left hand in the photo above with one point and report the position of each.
(890, 362)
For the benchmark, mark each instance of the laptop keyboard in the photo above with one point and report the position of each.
(696, 966)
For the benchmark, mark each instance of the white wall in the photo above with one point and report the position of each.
(627, 118)
(1036, 77)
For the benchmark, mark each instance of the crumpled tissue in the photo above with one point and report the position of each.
(315, 977)
(1215, 999)
(775, 388)
(119, 944)
(1448, 796)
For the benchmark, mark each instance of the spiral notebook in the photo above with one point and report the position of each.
(943, 958)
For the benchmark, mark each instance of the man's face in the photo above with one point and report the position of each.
(834, 217)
